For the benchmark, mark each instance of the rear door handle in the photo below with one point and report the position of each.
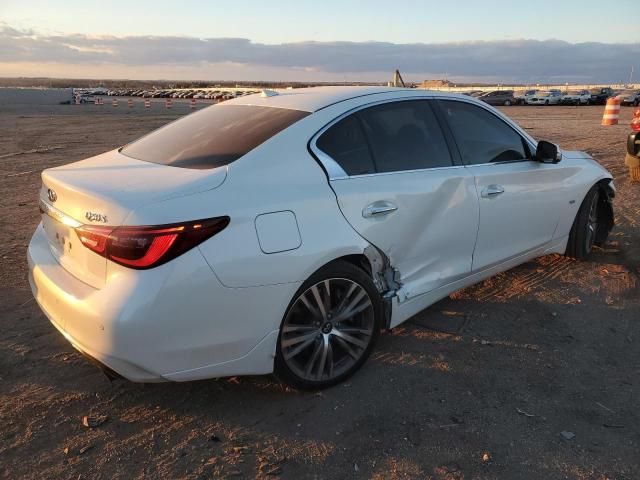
(492, 191)
(379, 208)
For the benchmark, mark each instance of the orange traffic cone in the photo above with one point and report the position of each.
(611, 112)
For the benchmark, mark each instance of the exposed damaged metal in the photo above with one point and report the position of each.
(385, 278)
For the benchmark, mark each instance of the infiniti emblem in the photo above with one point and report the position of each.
(52, 195)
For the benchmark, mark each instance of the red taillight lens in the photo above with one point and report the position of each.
(94, 238)
(147, 247)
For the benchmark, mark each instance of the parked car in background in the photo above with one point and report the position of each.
(367, 205)
(599, 96)
(630, 97)
(498, 97)
(523, 96)
(548, 97)
(576, 97)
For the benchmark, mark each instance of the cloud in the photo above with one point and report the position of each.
(509, 60)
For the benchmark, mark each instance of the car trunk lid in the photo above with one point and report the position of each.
(103, 190)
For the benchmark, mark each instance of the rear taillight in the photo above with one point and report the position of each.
(147, 247)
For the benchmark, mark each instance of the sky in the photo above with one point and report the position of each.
(327, 40)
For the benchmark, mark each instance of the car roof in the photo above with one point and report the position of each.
(316, 98)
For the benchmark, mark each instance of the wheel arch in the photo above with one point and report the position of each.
(377, 266)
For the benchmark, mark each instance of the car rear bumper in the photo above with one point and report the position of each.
(174, 322)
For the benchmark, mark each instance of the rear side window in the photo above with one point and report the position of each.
(212, 137)
(345, 143)
(405, 136)
(481, 136)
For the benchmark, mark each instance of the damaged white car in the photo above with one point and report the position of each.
(282, 231)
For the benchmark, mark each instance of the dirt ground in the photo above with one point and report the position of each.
(481, 385)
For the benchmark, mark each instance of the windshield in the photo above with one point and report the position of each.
(212, 137)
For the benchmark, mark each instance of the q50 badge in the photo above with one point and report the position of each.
(95, 217)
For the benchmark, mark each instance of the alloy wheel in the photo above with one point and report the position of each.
(328, 329)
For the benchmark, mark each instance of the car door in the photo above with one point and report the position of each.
(397, 185)
(493, 98)
(518, 197)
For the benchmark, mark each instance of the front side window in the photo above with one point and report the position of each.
(212, 137)
(481, 136)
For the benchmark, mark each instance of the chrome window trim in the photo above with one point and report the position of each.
(531, 142)
(505, 162)
(336, 172)
(58, 215)
(398, 172)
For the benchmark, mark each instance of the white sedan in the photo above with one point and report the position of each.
(576, 97)
(551, 97)
(282, 231)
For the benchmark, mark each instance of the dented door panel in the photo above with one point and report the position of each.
(430, 232)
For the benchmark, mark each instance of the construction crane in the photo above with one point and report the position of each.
(397, 80)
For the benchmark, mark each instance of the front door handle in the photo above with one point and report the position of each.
(378, 208)
(492, 191)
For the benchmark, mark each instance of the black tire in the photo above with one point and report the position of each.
(286, 364)
(507, 103)
(582, 236)
(546, 102)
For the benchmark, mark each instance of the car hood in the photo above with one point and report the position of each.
(575, 154)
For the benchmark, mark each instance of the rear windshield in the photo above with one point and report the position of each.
(212, 137)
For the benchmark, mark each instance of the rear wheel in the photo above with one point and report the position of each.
(507, 103)
(329, 329)
(585, 226)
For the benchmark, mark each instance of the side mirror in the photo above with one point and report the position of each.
(547, 152)
(633, 144)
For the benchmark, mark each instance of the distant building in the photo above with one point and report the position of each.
(435, 84)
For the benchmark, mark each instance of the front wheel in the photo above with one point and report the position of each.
(329, 329)
(507, 103)
(585, 226)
